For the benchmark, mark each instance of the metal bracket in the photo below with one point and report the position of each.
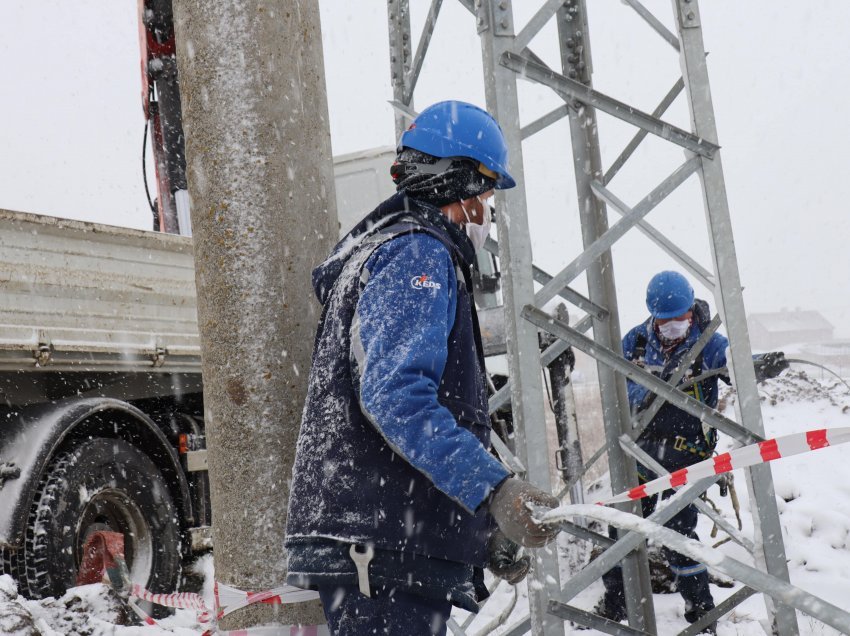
(42, 354)
(496, 13)
(158, 357)
(573, 25)
(196, 461)
(562, 459)
(502, 18)
(688, 14)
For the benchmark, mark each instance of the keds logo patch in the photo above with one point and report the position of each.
(424, 282)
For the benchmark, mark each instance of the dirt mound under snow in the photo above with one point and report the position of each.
(90, 610)
(796, 386)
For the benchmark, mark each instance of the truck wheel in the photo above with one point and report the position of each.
(102, 484)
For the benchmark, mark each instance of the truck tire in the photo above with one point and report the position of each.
(102, 484)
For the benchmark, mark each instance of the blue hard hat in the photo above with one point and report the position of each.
(669, 294)
(458, 129)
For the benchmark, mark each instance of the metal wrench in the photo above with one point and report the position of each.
(361, 562)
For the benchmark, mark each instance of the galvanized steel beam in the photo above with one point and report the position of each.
(641, 457)
(654, 22)
(730, 302)
(576, 61)
(496, 30)
(503, 395)
(644, 378)
(570, 89)
(601, 244)
(641, 134)
(398, 16)
(680, 256)
(421, 49)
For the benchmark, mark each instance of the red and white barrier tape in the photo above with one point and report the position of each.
(759, 453)
(229, 599)
(147, 619)
(181, 600)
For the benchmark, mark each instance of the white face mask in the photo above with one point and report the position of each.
(674, 329)
(478, 232)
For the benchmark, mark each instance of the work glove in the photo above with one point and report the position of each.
(769, 365)
(511, 508)
(645, 403)
(504, 559)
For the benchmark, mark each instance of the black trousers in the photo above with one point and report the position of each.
(691, 576)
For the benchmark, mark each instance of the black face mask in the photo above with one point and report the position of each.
(438, 181)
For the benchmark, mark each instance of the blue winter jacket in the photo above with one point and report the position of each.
(671, 421)
(394, 444)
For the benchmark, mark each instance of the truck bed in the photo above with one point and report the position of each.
(78, 296)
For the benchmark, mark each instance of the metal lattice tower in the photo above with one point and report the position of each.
(507, 56)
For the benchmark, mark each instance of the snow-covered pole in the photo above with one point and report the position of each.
(263, 213)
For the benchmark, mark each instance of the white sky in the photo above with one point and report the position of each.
(71, 127)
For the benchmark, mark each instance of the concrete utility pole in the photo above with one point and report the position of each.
(263, 213)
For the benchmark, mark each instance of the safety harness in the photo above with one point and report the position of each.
(691, 384)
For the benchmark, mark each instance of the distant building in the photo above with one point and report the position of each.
(771, 330)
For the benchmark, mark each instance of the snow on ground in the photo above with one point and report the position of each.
(90, 610)
(813, 495)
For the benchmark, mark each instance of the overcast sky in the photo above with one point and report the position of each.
(71, 127)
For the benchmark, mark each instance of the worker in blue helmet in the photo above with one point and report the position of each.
(396, 503)
(459, 131)
(674, 438)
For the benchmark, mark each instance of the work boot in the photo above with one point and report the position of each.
(611, 607)
(693, 615)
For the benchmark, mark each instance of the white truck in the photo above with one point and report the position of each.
(101, 417)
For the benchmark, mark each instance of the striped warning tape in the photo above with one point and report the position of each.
(181, 600)
(146, 618)
(759, 453)
(229, 599)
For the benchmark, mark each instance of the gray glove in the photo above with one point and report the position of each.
(769, 365)
(504, 559)
(510, 508)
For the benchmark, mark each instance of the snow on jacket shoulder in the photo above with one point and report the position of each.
(400, 342)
